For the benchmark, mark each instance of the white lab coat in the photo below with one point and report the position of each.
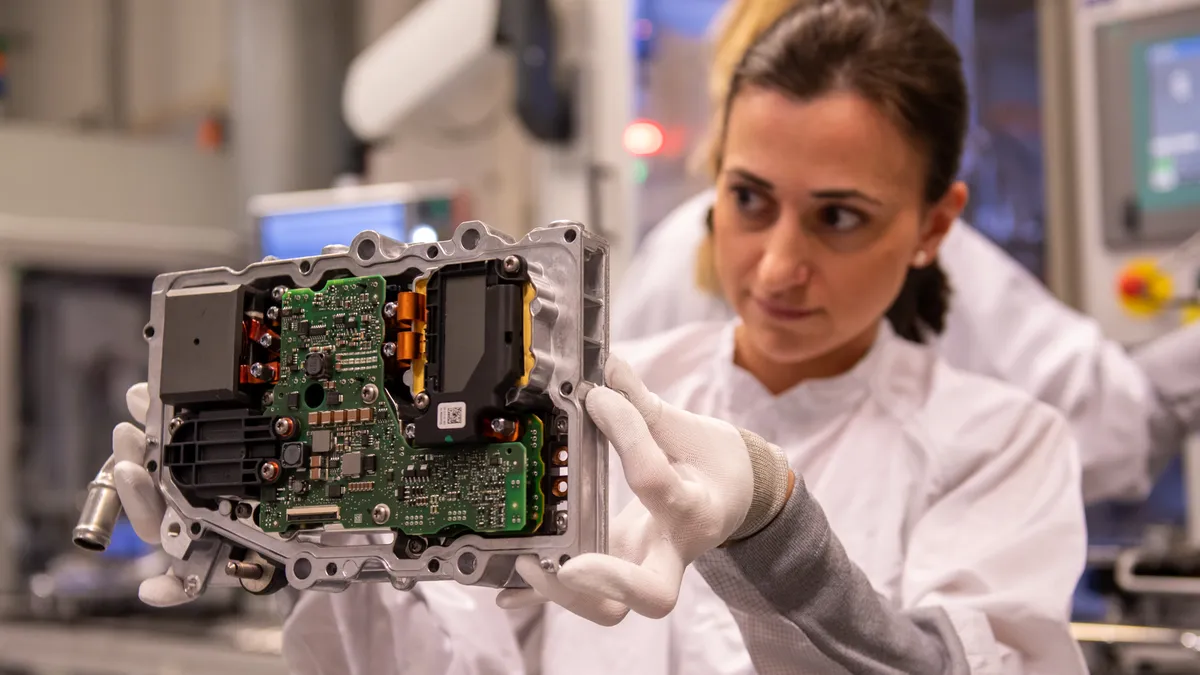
(947, 489)
(1002, 323)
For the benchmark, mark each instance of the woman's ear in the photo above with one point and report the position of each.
(941, 218)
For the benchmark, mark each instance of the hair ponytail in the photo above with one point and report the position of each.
(923, 303)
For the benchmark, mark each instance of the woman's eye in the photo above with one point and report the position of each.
(839, 218)
(749, 202)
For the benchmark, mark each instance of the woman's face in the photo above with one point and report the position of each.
(819, 214)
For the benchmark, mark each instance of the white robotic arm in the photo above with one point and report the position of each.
(438, 41)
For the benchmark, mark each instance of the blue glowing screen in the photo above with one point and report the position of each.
(299, 234)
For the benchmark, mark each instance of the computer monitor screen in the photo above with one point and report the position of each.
(298, 234)
(1170, 123)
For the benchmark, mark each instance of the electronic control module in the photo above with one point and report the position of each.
(386, 411)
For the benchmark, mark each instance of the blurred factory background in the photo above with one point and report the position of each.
(144, 136)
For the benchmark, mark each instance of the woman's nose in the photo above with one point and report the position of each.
(785, 262)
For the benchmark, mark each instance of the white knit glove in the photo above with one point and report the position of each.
(699, 482)
(140, 498)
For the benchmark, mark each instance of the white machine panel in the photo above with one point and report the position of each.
(1137, 75)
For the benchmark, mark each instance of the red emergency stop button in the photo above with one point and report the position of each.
(1133, 286)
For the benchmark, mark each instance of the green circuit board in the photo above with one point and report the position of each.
(353, 453)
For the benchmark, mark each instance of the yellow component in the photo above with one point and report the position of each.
(1191, 313)
(418, 364)
(1143, 289)
(527, 324)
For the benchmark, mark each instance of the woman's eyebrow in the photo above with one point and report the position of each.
(845, 193)
(751, 178)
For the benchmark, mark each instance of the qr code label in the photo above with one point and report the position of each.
(452, 415)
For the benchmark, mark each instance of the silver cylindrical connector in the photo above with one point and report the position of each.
(100, 512)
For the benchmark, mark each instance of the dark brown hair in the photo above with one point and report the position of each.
(891, 54)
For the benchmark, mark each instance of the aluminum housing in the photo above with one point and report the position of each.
(569, 270)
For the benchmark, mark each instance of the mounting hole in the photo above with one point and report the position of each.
(469, 240)
(566, 388)
(434, 566)
(196, 341)
(432, 251)
(570, 235)
(305, 267)
(366, 249)
(563, 560)
(331, 569)
(195, 528)
(466, 563)
(152, 466)
(174, 530)
(314, 395)
(508, 451)
(243, 510)
(302, 568)
(148, 332)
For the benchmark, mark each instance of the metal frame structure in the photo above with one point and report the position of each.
(569, 272)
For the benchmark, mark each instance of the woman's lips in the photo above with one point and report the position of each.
(784, 311)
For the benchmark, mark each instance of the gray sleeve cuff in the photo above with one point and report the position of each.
(800, 601)
(770, 469)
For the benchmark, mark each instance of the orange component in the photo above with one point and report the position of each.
(255, 330)
(410, 308)
(408, 348)
(210, 135)
(560, 456)
(559, 488)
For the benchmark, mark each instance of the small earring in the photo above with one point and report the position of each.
(920, 259)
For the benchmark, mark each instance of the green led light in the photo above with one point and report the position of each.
(641, 171)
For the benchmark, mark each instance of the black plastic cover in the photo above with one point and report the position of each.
(201, 345)
(219, 453)
(474, 341)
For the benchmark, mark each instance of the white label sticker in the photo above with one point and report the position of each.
(452, 415)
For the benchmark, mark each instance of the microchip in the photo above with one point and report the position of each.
(352, 464)
(369, 463)
(314, 364)
(303, 328)
(293, 400)
(317, 331)
(410, 471)
(334, 398)
(352, 321)
(333, 491)
(339, 319)
(322, 440)
(293, 455)
(423, 471)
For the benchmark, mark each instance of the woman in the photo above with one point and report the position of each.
(1001, 321)
(935, 523)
